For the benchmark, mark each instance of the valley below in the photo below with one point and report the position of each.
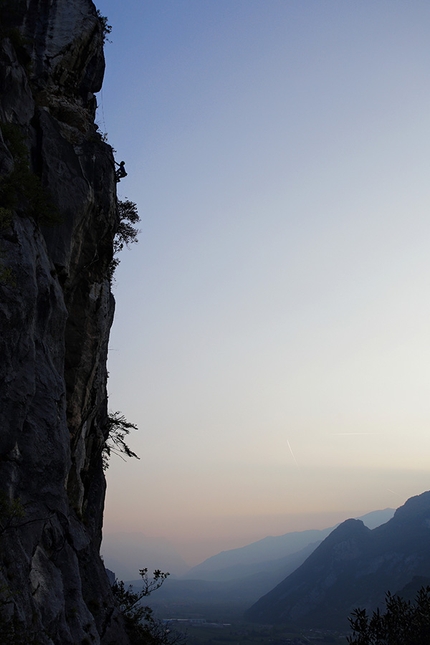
(251, 594)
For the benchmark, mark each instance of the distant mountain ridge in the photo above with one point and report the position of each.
(242, 590)
(353, 566)
(250, 571)
(235, 562)
(271, 553)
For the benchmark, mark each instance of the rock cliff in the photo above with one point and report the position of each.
(58, 218)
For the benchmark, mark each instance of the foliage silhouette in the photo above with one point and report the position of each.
(141, 626)
(106, 27)
(126, 233)
(118, 428)
(402, 623)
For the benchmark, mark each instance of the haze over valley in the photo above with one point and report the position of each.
(126, 553)
(305, 580)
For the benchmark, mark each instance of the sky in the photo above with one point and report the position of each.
(272, 330)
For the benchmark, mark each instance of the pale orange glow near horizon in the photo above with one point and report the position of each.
(200, 523)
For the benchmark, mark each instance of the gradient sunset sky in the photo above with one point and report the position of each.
(272, 331)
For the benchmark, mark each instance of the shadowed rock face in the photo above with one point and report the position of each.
(56, 311)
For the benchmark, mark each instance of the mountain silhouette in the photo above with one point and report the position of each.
(354, 566)
(277, 555)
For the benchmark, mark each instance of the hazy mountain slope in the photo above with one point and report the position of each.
(235, 586)
(354, 566)
(269, 548)
(255, 557)
(244, 590)
(271, 568)
(375, 518)
(409, 591)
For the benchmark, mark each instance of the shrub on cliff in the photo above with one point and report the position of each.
(106, 27)
(141, 626)
(126, 232)
(118, 429)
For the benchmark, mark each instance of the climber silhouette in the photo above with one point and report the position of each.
(120, 171)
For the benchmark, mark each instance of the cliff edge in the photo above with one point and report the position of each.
(58, 218)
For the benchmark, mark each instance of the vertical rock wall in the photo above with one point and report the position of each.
(58, 217)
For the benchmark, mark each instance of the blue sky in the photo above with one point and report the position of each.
(272, 337)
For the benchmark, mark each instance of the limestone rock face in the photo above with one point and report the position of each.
(58, 217)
